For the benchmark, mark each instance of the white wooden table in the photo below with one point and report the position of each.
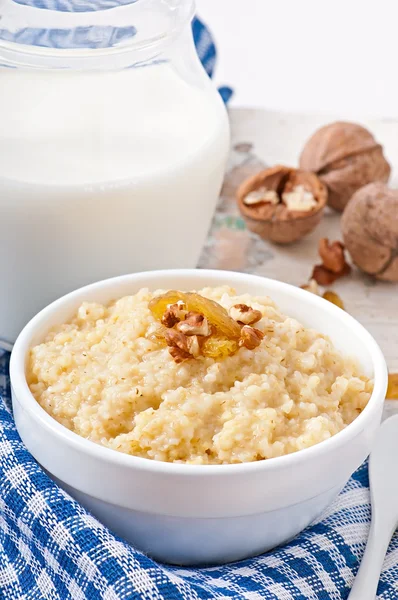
(266, 138)
(309, 55)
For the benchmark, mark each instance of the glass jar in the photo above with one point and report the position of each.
(113, 145)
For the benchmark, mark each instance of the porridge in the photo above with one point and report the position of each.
(200, 378)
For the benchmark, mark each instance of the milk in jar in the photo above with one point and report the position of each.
(103, 171)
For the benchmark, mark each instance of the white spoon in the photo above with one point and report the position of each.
(383, 477)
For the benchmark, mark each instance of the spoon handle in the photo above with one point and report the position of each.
(367, 580)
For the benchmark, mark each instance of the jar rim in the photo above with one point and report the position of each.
(129, 53)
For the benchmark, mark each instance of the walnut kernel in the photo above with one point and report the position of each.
(332, 255)
(179, 355)
(173, 314)
(299, 199)
(176, 339)
(194, 324)
(188, 346)
(261, 195)
(324, 277)
(312, 287)
(333, 265)
(245, 314)
(250, 337)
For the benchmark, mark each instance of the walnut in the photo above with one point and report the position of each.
(193, 346)
(245, 314)
(176, 339)
(370, 230)
(261, 195)
(324, 277)
(250, 337)
(345, 156)
(182, 347)
(312, 287)
(301, 201)
(332, 255)
(194, 324)
(173, 314)
(179, 355)
(333, 265)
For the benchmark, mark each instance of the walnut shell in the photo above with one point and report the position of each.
(345, 156)
(370, 230)
(275, 222)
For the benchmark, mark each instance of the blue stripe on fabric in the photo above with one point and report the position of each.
(75, 6)
(79, 37)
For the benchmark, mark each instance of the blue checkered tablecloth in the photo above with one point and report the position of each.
(51, 548)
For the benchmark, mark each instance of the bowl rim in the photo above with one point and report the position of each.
(22, 392)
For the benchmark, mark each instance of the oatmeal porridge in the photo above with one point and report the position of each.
(200, 378)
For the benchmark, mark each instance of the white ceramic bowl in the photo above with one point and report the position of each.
(191, 514)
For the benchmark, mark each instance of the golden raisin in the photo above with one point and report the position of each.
(159, 305)
(392, 391)
(219, 347)
(333, 298)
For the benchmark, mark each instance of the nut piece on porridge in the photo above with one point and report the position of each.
(250, 337)
(189, 346)
(245, 314)
(174, 314)
(179, 355)
(119, 376)
(195, 324)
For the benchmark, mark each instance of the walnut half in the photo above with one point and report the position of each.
(301, 200)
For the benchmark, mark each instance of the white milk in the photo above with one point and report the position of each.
(101, 174)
